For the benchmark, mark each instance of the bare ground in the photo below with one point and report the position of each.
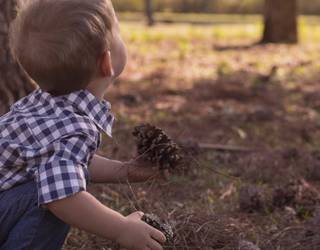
(210, 96)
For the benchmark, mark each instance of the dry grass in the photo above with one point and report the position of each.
(209, 84)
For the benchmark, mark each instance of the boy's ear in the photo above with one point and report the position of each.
(106, 64)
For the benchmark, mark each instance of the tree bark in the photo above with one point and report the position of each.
(14, 82)
(149, 12)
(280, 21)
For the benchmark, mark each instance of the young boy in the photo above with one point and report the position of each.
(73, 50)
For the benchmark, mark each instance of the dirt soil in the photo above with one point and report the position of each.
(265, 100)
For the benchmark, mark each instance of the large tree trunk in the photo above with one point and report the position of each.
(149, 12)
(14, 82)
(280, 21)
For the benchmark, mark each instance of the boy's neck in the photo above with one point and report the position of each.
(96, 93)
(99, 87)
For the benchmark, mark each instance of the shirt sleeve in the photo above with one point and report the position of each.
(64, 171)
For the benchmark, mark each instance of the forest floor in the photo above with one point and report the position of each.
(212, 85)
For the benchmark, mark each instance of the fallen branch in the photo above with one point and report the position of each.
(222, 147)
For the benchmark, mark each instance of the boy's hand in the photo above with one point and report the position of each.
(142, 171)
(137, 235)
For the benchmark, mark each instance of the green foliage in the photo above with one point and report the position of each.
(210, 6)
(234, 6)
(223, 68)
(128, 5)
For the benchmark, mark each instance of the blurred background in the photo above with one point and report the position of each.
(210, 6)
(236, 85)
(278, 15)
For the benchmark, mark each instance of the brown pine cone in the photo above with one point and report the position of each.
(155, 222)
(155, 146)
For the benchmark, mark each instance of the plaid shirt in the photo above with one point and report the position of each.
(51, 140)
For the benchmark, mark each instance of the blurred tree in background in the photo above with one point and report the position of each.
(280, 17)
(280, 21)
(206, 6)
(14, 83)
(212, 6)
(149, 11)
(280, 26)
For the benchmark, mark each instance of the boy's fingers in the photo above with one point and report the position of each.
(140, 214)
(154, 245)
(136, 215)
(158, 236)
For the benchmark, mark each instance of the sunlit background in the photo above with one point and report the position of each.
(244, 109)
(236, 84)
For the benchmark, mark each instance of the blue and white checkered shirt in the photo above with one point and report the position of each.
(51, 140)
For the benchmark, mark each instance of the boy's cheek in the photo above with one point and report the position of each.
(119, 56)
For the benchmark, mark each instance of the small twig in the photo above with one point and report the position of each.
(279, 234)
(203, 225)
(215, 170)
(134, 197)
(223, 147)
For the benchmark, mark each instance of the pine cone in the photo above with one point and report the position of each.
(251, 199)
(155, 222)
(155, 146)
(285, 195)
(298, 194)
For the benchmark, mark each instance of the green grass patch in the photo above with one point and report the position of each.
(177, 27)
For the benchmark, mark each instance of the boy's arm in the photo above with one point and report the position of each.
(104, 170)
(85, 212)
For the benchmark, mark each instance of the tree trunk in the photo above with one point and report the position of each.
(14, 82)
(280, 21)
(149, 12)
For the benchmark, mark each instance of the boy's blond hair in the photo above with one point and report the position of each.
(59, 42)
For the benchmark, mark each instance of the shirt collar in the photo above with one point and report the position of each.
(98, 111)
(82, 101)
